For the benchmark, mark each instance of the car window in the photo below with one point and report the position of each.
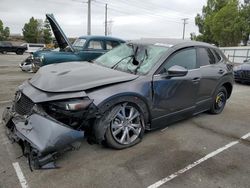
(79, 44)
(6, 44)
(217, 55)
(185, 58)
(94, 44)
(206, 57)
(111, 44)
(147, 55)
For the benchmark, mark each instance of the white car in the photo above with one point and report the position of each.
(33, 47)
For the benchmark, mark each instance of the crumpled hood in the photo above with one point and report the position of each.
(76, 76)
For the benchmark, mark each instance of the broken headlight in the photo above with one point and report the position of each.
(73, 104)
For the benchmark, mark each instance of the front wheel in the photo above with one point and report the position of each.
(219, 101)
(126, 126)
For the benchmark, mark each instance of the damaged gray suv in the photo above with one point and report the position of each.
(141, 85)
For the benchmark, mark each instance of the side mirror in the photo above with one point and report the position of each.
(177, 71)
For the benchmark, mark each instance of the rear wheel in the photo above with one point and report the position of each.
(19, 52)
(126, 126)
(219, 101)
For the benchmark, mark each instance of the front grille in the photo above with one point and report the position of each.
(23, 104)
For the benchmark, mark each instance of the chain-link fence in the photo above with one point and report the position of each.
(237, 54)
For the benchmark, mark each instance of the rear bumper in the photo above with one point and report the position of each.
(40, 137)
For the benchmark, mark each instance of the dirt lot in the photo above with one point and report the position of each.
(161, 154)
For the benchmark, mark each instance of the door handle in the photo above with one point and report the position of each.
(196, 79)
(221, 71)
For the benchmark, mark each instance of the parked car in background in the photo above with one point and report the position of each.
(85, 48)
(135, 87)
(33, 47)
(8, 47)
(26, 64)
(242, 72)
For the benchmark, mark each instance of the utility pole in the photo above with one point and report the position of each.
(184, 27)
(109, 26)
(89, 18)
(106, 19)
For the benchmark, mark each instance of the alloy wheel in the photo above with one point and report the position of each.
(126, 125)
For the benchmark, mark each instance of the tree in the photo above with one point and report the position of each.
(4, 31)
(37, 31)
(227, 25)
(47, 32)
(222, 22)
(204, 20)
(245, 15)
(31, 31)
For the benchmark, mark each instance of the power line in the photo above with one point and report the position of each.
(147, 12)
(89, 14)
(149, 9)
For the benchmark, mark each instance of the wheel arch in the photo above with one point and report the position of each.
(229, 88)
(227, 82)
(140, 101)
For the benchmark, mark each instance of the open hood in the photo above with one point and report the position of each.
(76, 76)
(61, 38)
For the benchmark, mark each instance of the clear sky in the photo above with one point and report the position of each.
(130, 18)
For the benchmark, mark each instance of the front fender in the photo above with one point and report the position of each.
(100, 127)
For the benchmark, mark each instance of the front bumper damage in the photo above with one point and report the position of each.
(41, 138)
(30, 65)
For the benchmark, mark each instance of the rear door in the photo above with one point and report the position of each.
(176, 95)
(8, 47)
(211, 67)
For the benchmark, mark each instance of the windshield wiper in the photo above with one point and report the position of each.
(115, 65)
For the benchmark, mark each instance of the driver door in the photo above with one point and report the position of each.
(174, 98)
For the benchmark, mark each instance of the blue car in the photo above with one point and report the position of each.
(85, 48)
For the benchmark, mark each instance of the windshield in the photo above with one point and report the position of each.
(79, 43)
(123, 58)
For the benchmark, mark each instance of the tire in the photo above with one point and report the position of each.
(125, 126)
(19, 52)
(219, 101)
